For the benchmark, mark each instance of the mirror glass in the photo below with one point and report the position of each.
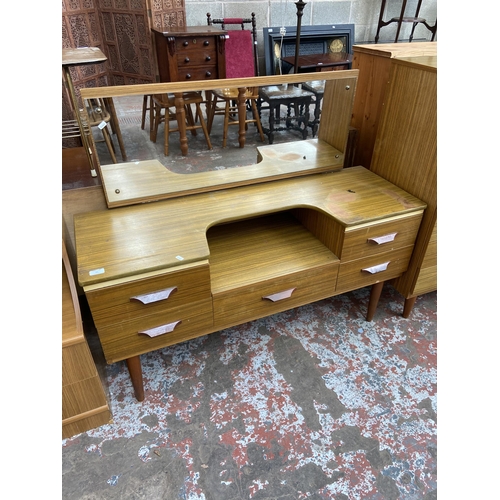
(142, 142)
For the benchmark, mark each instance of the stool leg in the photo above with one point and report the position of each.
(257, 119)
(203, 125)
(226, 123)
(408, 307)
(166, 137)
(109, 143)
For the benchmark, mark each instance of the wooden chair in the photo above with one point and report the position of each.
(101, 112)
(166, 102)
(241, 62)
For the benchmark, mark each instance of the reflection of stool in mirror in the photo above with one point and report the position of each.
(167, 101)
(101, 112)
(291, 97)
(317, 87)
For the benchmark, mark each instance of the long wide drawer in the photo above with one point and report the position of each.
(363, 272)
(149, 295)
(140, 335)
(274, 295)
(380, 238)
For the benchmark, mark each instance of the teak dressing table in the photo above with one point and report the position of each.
(162, 266)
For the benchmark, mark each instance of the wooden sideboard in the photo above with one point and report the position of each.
(190, 53)
(160, 273)
(84, 404)
(405, 153)
(374, 64)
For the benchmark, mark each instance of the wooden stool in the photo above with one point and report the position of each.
(230, 95)
(167, 101)
(101, 112)
(276, 96)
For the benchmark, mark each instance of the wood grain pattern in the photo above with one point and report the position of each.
(406, 152)
(83, 401)
(374, 64)
(137, 239)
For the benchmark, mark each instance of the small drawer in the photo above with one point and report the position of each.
(380, 238)
(190, 72)
(127, 300)
(197, 55)
(274, 295)
(363, 272)
(140, 335)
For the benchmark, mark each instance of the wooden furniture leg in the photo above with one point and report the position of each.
(242, 111)
(180, 113)
(408, 307)
(374, 297)
(135, 370)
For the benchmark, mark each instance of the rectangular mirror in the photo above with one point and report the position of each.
(137, 170)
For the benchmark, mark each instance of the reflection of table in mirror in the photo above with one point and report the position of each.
(321, 62)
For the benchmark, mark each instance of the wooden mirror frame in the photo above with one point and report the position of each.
(138, 182)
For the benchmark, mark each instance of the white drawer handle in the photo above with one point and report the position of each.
(383, 239)
(161, 330)
(148, 298)
(285, 294)
(376, 269)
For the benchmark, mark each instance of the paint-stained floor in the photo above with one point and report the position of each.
(312, 403)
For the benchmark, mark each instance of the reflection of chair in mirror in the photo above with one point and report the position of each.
(166, 102)
(317, 87)
(147, 105)
(101, 112)
(241, 62)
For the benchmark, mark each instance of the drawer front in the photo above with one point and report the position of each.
(190, 72)
(363, 272)
(145, 297)
(196, 51)
(274, 295)
(123, 340)
(380, 238)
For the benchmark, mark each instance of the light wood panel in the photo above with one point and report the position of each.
(374, 64)
(136, 239)
(405, 153)
(84, 404)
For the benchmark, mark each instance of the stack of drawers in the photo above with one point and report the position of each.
(133, 316)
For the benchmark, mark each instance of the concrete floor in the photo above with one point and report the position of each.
(311, 403)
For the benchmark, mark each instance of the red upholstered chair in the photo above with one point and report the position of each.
(241, 62)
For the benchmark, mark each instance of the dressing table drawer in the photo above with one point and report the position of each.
(124, 301)
(122, 340)
(380, 238)
(381, 267)
(274, 295)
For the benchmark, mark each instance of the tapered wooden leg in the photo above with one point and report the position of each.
(374, 296)
(409, 303)
(135, 370)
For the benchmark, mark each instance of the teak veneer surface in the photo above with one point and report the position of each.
(145, 238)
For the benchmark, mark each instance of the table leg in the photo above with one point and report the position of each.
(374, 297)
(180, 114)
(135, 370)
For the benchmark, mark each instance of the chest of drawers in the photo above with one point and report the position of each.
(160, 273)
(190, 53)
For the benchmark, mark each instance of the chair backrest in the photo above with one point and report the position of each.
(241, 46)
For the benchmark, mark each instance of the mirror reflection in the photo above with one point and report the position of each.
(132, 128)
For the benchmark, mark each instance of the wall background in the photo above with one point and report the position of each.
(362, 13)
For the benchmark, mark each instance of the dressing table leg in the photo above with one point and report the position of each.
(135, 370)
(409, 303)
(374, 296)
